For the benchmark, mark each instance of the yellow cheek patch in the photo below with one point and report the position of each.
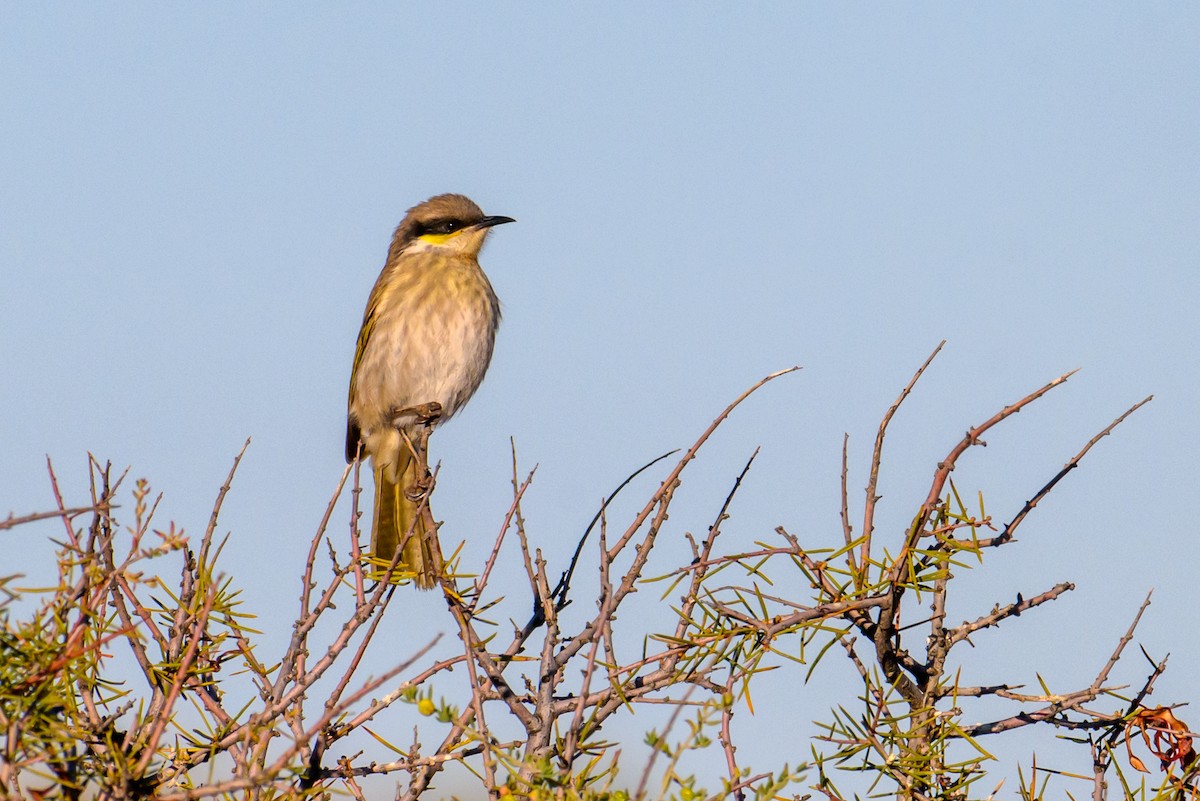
(439, 239)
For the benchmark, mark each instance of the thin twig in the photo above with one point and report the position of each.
(877, 459)
(1032, 503)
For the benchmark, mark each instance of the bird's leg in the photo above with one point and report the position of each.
(416, 439)
(417, 443)
(427, 415)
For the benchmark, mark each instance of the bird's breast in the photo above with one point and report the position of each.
(432, 341)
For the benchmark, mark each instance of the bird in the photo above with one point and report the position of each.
(425, 344)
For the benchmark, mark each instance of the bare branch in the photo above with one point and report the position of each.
(877, 458)
(1032, 503)
(1014, 609)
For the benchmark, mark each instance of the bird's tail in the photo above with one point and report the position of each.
(398, 524)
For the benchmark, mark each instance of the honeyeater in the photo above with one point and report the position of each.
(425, 344)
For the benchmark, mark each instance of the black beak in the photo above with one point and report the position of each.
(488, 222)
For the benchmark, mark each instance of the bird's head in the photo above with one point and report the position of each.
(446, 223)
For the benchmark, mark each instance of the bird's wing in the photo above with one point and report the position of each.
(353, 433)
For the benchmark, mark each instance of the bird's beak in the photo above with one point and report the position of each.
(488, 222)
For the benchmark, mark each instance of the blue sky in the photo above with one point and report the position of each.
(197, 199)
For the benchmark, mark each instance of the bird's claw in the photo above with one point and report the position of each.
(420, 488)
(425, 413)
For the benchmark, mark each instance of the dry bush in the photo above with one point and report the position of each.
(212, 715)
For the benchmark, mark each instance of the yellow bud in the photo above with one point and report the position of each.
(426, 707)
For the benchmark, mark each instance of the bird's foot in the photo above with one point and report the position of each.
(420, 488)
(429, 413)
(425, 413)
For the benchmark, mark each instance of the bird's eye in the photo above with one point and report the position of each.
(444, 226)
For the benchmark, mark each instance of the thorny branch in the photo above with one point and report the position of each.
(926, 569)
(527, 710)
